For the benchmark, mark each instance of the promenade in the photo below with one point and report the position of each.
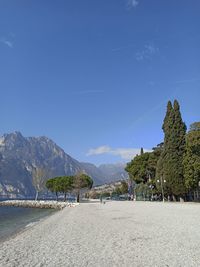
(114, 234)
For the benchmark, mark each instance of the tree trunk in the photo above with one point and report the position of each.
(78, 197)
(174, 198)
(65, 197)
(197, 195)
(36, 196)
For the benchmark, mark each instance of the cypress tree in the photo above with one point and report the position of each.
(170, 165)
(168, 114)
(166, 129)
(192, 159)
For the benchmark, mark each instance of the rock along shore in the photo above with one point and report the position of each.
(41, 204)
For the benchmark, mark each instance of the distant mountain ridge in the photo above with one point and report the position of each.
(114, 172)
(20, 155)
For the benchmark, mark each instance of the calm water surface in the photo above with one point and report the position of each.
(14, 219)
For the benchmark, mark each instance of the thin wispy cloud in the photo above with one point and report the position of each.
(148, 115)
(124, 153)
(132, 4)
(188, 81)
(116, 49)
(147, 53)
(6, 42)
(88, 92)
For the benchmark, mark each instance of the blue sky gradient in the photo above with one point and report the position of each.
(95, 75)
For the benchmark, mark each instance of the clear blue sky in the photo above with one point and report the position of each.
(95, 75)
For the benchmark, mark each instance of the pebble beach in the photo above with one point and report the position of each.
(111, 234)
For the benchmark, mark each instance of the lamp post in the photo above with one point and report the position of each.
(161, 181)
(151, 185)
(198, 190)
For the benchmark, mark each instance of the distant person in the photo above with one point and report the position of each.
(101, 199)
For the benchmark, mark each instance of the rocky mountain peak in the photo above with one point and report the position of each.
(14, 136)
(12, 141)
(20, 155)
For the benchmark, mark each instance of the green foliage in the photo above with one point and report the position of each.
(195, 126)
(124, 187)
(176, 161)
(81, 181)
(138, 168)
(50, 185)
(65, 184)
(143, 191)
(104, 194)
(117, 191)
(143, 167)
(170, 164)
(192, 157)
(53, 185)
(153, 160)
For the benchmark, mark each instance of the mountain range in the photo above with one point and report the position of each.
(20, 156)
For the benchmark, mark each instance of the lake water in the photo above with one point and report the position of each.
(14, 219)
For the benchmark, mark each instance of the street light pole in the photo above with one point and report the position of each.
(163, 197)
(162, 187)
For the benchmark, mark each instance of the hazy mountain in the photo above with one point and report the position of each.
(19, 156)
(113, 172)
(106, 173)
(94, 171)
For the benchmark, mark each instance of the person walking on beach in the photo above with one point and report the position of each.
(101, 199)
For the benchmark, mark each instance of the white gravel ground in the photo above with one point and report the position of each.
(114, 234)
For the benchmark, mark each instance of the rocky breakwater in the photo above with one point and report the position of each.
(42, 204)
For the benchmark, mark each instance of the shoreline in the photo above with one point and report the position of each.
(40, 204)
(115, 234)
(21, 215)
(14, 220)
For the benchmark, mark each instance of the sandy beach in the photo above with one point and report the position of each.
(114, 234)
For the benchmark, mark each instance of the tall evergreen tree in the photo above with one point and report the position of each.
(166, 119)
(166, 129)
(192, 159)
(170, 165)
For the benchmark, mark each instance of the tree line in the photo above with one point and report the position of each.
(110, 192)
(173, 167)
(62, 184)
(67, 184)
